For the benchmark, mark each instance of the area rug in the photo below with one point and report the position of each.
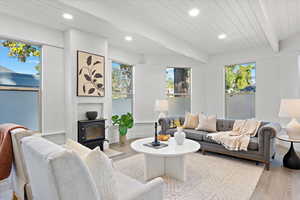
(112, 153)
(209, 177)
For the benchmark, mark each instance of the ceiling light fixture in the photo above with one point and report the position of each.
(222, 36)
(128, 38)
(67, 16)
(194, 12)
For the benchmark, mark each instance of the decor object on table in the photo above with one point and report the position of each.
(90, 74)
(156, 141)
(179, 136)
(207, 123)
(163, 137)
(161, 106)
(124, 122)
(290, 108)
(191, 121)
(290, 159)
(91, 115)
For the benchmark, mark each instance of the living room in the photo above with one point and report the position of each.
(187, 99)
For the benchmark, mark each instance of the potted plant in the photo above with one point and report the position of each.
(124, 122)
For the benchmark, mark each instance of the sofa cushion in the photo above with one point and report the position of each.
(207, 123)
(253, 144)
(191, 121)
(224, 125)
(194, 134)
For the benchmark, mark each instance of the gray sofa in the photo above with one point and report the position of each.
(261, 147)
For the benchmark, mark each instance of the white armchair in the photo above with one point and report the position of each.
(58, 174)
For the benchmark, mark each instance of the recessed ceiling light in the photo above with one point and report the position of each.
(222, 36)
(128, 38)
(194, 12)
(67, 16)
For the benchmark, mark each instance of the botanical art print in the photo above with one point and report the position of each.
(90, 74)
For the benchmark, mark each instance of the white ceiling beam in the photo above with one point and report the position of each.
(266, 24)
(132, 25)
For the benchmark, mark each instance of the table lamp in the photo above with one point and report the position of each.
(290, 108)
(161, 106)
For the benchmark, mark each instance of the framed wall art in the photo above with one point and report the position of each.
(90, 74)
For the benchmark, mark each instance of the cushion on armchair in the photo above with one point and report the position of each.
(77, 148)
(102, 171)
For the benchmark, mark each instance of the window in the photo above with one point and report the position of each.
(20, 66)
(122, 88)
(240, 88)
(178, 90)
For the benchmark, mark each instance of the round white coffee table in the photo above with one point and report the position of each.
(169, 160)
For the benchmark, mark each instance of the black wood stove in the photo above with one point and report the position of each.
(91, 133)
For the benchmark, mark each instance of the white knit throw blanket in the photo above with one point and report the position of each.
(238, 139)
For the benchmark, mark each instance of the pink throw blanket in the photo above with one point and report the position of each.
(6, 150)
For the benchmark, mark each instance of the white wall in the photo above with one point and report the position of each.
(123, 56)
(277, 77)
(150, 84)
(13, 28)
(76, 106)
(53, 90)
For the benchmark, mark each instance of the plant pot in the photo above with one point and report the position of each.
(122, 139)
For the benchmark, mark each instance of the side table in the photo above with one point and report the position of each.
(291, 159)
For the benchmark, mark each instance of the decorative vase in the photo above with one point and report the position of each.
(179, 136)
(122, 140)
(91, 115)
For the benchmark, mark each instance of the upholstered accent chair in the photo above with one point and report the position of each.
(56, 173)
(20, 181)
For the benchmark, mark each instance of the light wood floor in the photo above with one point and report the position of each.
(278, 183)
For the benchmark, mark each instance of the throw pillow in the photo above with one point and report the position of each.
(77, 148)
(207, 123)
(191, 121)
(174, 123)
(101, 169)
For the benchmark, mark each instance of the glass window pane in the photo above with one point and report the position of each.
(122, 88)
(20, 66)
(178, 90)
(240, 88)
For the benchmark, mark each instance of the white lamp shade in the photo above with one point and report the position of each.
(161, 105)
(290, 108)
